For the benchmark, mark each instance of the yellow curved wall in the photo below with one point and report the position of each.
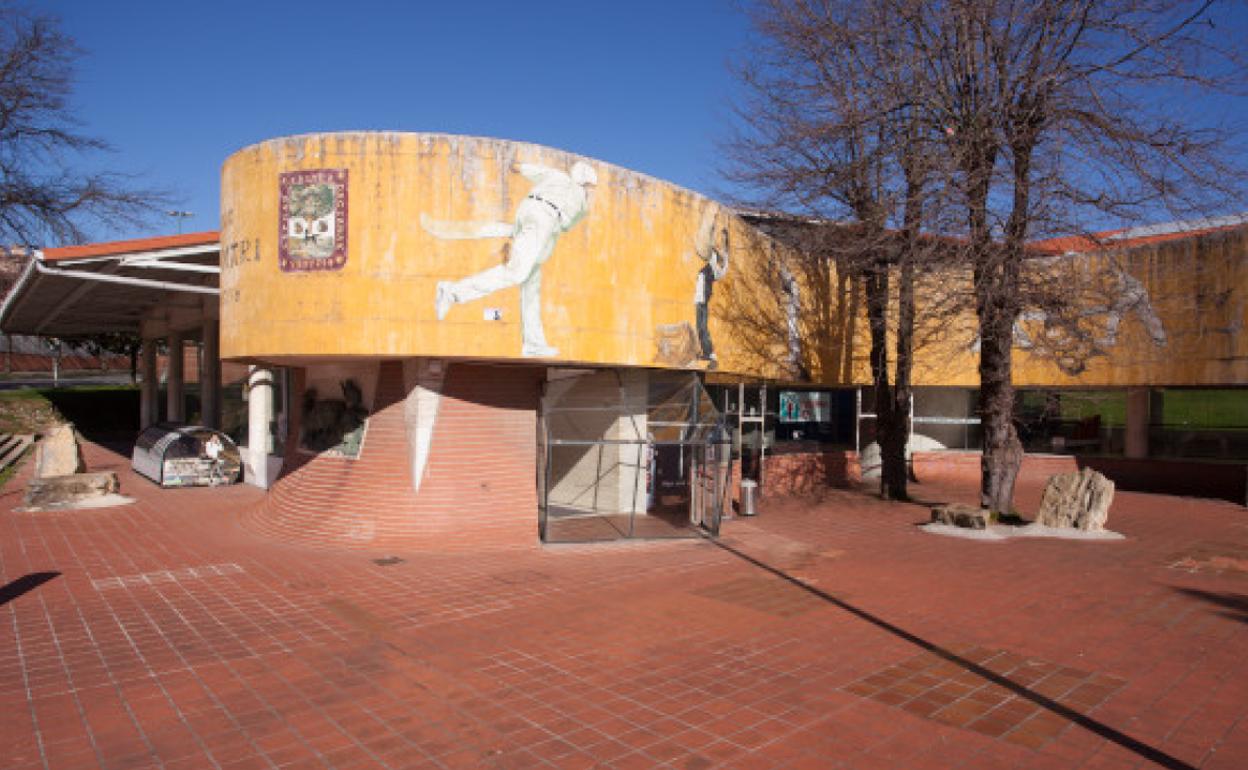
(1197, 288)
(1181, 316)
(612, 280)
(620, 282)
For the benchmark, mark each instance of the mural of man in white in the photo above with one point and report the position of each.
(555, 203)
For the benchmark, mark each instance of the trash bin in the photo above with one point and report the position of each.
(749, 490)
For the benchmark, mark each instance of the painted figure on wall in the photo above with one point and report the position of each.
(712, 248)
(791, 291)
(555, 203)
(1093, 329)
(1130, 296)
(1088, 328)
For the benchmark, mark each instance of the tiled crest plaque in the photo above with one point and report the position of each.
(313, 234)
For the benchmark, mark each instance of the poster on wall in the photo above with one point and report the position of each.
(313, 228)
(805, 406)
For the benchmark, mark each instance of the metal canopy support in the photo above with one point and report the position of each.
(78, 293)
(11, 301)
(157, 264)
(199, 250)
(124, 280)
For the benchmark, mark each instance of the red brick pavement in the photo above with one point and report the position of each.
(828, 634)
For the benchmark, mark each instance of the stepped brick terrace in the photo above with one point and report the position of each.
(827, 632)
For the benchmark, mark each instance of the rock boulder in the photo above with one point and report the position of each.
(57, 453)
(1077, 500)
(959, 515)
(55, 492)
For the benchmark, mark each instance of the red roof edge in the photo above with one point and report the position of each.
(1082, 244)
(205, 238)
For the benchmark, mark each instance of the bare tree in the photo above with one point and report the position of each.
(44, 195)
(1052, 116)
(1028, 118)
(831, 131)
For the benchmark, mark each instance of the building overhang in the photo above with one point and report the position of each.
(121, 286)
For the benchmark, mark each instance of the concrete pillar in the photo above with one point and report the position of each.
(175, 406)
(149, 388)
(259, 415)
(1137, 422)
(210, 374)
(1157, 406)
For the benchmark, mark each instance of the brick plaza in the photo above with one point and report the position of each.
(823, 633)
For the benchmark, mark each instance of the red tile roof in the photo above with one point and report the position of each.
(1105, 240)
(206, 238)
(1066, 244)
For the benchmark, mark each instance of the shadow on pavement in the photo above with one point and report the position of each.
(25, 584)
(1236, 604)
(1099, 728)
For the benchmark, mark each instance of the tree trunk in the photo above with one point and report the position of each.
(877, 290)
(999, 309)
(894, 468)
(894, 452)
(1002, 451)
(996, 302)
(894, 456)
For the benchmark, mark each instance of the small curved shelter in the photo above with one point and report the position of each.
(186, 456)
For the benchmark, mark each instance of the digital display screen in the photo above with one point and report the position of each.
(805, 406)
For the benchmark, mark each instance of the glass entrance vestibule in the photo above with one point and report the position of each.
(630, 454)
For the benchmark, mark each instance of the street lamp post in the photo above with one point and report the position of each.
(180, 215)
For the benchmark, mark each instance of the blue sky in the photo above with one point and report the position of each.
(177, 86)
